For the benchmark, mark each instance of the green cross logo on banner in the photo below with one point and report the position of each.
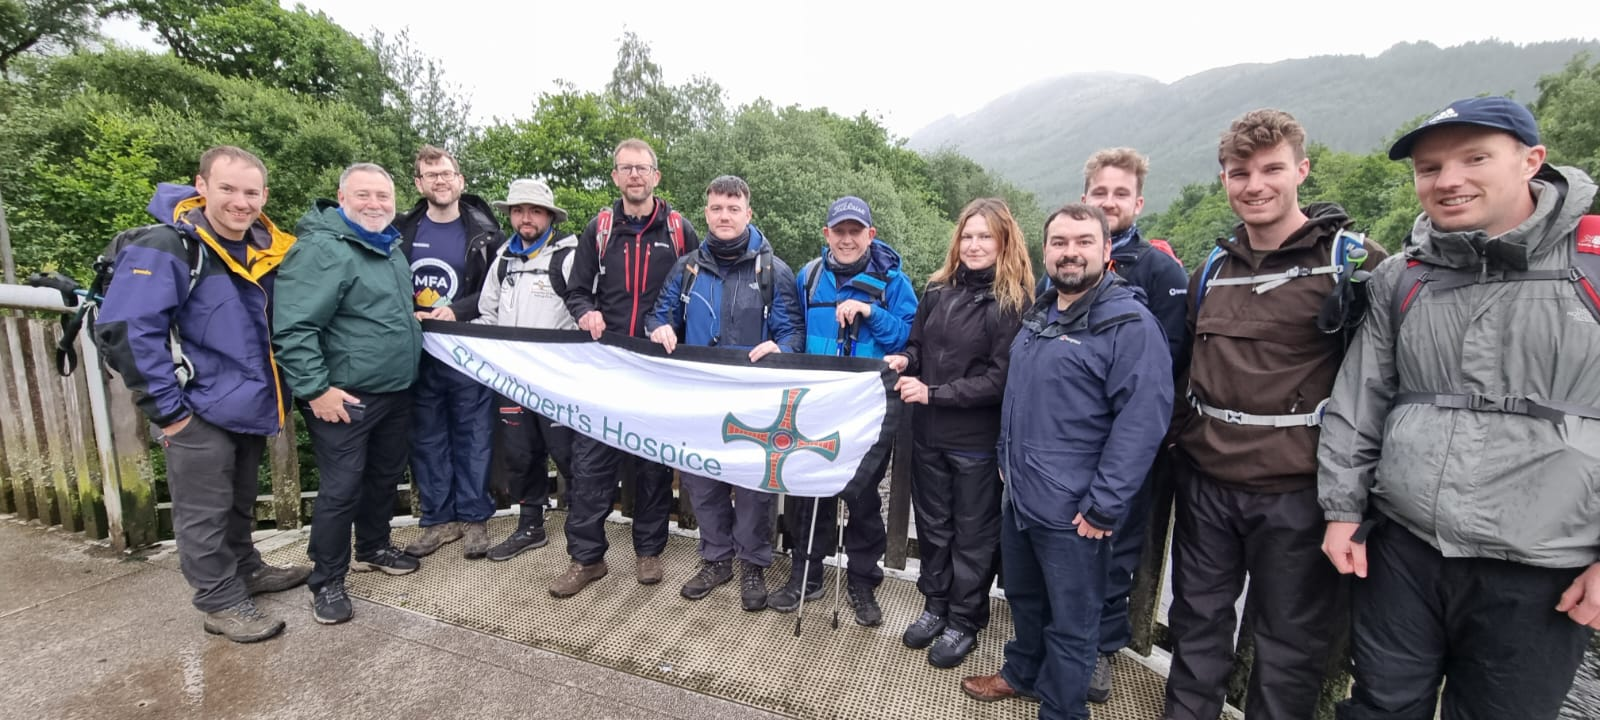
(780, 439)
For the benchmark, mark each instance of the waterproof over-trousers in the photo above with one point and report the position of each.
(1296, 598)
(360, 464)
(523, 442)
(956, 496)
(735, 521)
(450, 444)
(1488, 627)
(212, 475)
(594, 490)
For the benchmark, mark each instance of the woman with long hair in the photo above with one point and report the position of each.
(954, 366)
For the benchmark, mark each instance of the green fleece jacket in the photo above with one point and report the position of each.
(342, 311)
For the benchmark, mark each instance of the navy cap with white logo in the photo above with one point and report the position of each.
(1500, 113)
(849, 207)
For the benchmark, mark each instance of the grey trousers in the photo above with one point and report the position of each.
(212, 476)
(734, 521)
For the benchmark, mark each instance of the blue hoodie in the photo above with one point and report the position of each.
(715, 316)
(881, 285)
(222, 323)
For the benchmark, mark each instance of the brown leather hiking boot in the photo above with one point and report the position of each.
(990, 688)
(434, 537)
(576, 578)
(648, 569)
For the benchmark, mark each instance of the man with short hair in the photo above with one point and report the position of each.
(1113, 181)
(348, 344)
(1461, 453)
(523, 289)
(1259, 372)
(449, 237)
(737, 295)
(1088, 399)
(856, 303)
(185, 325)
(624, 256)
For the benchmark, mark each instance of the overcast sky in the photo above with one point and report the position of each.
(908, 63)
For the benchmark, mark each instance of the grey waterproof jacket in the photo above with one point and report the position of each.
(1470, 482)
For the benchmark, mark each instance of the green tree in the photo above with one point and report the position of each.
(666, 112)
(45, 26)
(436, 109)
(1569, 114)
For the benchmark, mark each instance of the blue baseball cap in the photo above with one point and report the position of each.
(849, 207)
(1499, 113)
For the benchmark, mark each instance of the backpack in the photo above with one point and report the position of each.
(871, 283)
(105, 266)
(1583, 270)
(1346, 302)
(764, 281)
(1165, 247)
(602, 235)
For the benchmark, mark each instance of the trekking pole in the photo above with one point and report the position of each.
(842, 512)
(805, 572)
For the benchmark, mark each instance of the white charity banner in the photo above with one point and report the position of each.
(797, 424)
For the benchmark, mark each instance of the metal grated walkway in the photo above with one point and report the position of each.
(711, 645)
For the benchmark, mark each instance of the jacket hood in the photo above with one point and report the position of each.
(173, 205)
(1111, 288)
(1561, 197)
(474, 210)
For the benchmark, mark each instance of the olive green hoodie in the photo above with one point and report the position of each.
(342, 311)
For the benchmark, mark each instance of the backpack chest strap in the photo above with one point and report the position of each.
(1267, 283)
(1237, 417)
(1552, 410)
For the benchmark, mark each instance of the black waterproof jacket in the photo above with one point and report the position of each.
(624, 283)
(960, 347)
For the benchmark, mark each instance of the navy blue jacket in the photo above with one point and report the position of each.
(222, 323)
(1087, 402)
(1165, 284)
(885, 330)
(716, 317)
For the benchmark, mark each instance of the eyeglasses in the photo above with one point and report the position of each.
(437, 176)
(635, 169)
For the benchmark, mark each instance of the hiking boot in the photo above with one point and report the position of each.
(330, 604)
(476, 542)
(752, 587)
(1100, 681)
(952, 647)
(787, 599)
(243, 623)
(865, 604)
(576, 578)
(648, 569)
(522, 540)
(388, 560)
(923, 632)
(712, 573)
(434, 537)
(989, 688)
(271, 578)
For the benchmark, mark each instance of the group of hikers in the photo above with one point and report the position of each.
(1450, 463)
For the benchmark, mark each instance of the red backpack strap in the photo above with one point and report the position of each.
(1165, 247)
(675, 229)
(1586, 263)
(1406, 291)
(602, 232)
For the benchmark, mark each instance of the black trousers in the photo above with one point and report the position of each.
(957, 500)
(594, 491)
(359, 465)
(1126, 545)
(865, 538)
(1219, 536)
(523, 441)
(212, 475)
(1489, 627)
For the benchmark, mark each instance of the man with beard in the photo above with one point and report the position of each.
(624, 256)
(1113, 180)
(1088, 398)
(348, 345)
(523, 289)
(449, 237)
(1245, 469)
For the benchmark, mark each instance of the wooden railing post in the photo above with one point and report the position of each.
(285, 457)
(1144, 602)
(84, 456)
(899, 522)
(35, 489)
(54, 436)
(14, 473)
(94, 377)
(130, 436)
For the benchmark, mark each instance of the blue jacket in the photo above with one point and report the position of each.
(1087, 402)
(222, 323)
(894, 308)
(715, 317)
